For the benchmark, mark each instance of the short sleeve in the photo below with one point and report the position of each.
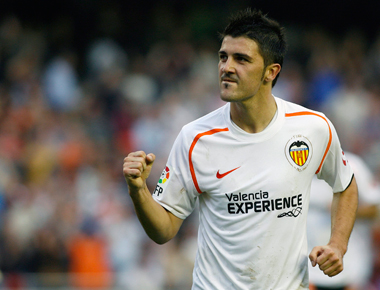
(336, 170)
(175, 190)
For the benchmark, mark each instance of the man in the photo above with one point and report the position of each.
(358, 262)
(250, 164)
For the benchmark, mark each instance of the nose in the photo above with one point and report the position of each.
(227, 66)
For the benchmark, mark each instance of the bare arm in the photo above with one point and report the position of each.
(159, 224)
(343, 213)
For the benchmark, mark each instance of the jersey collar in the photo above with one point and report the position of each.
(274, 126)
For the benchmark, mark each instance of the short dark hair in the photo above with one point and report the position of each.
(266, 32)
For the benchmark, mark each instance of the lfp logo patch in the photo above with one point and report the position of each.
(163, 181)
(164, 175)
(298, 151)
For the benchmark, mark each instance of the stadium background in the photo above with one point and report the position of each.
(82, 83)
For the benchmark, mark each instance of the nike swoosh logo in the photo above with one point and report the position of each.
(219, 175)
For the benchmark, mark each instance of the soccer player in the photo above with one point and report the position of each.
(358, 262)
(250, 164)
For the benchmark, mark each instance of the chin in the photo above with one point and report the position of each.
(226, 95)
(226, 98)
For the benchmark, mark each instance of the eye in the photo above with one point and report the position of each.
(241, 59)
(222, 57)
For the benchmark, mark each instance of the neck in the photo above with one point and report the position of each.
(255, 114)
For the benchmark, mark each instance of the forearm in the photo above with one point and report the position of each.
(343, 213)
(159, 224)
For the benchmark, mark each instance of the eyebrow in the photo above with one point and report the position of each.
(237, 54)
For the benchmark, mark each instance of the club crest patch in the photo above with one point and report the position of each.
(299, 151)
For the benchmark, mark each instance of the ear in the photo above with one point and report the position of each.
(271, 72)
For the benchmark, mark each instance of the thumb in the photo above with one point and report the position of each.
(315, 252)
(149, 160)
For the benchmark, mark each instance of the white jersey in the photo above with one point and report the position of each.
(253, 192)
(358, 261)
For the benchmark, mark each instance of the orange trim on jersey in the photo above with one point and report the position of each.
(210, 132)
(330, 134)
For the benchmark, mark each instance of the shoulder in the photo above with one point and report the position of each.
(303, 115)
(293, 109)
(214, 120)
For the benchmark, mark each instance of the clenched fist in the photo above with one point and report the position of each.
(137, 167)
(329, 259)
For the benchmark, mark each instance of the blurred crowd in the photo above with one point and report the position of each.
(66, 219)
